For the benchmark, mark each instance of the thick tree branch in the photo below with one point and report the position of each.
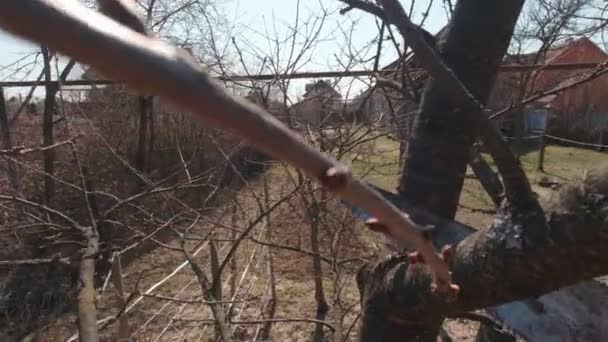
(505, 263)
(364, 6)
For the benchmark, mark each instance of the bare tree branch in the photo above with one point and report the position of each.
(21, 150)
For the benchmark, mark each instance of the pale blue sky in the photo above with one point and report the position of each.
(250, 18)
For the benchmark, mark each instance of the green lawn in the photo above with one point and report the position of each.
(377, 163)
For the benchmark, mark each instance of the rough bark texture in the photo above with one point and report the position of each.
(439, 151)
(517, 258)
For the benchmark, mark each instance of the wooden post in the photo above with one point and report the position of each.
(7, 144)
(541, 154)
(600, 140)
(123, 321)
(140, 154)
(487, 177)
(217, 285)
(48, 155)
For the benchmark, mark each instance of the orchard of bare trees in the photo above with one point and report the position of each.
(342, 170)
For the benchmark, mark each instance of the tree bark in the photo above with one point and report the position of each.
(514, 260)
(439, 150)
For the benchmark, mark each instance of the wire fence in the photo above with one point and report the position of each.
(314, 74)
(574, 142)
(559, 139)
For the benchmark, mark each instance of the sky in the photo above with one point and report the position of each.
(249, 20)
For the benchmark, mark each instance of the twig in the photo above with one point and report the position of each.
(44, 208)
(246, 232)
(21, 150)
(191, 301)
(253, 322)
(291, 248)
(36, 261)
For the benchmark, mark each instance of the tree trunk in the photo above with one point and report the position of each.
(440, 148)
(438, 154)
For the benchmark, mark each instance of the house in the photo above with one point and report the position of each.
(272, 105)
(387, 104)
(321, 105)
(579, 113)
